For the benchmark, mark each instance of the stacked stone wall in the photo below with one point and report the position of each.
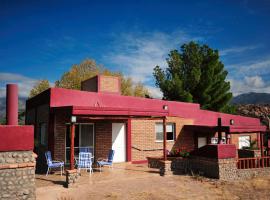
(17, 175)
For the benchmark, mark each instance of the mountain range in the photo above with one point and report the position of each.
(252, 98)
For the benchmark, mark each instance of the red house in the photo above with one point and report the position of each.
(101, 118)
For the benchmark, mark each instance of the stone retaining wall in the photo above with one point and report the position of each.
(223, 169)
(17, 175)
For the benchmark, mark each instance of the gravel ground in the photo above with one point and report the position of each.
(139, 182)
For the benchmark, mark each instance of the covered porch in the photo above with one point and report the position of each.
(99, 130)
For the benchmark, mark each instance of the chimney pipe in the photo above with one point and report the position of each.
(12, 104)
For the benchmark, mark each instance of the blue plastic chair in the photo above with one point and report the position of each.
(53, 163)
(85, 161)
(109, 161)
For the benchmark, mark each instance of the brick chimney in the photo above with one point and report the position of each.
(102, 84)
(12, 104)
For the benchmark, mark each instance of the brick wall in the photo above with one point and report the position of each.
(60, 135)
(103, 139)
(235, 137)
(143, 138)
(109, 84)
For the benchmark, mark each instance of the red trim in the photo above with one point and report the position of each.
(139, 162)
(72, 133)
(129, 140)
(87, 110)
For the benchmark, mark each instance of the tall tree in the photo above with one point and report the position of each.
(39, 87)
(88, 68)
(195, 74)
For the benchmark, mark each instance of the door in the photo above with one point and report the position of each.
(83, 138)
(119, 142)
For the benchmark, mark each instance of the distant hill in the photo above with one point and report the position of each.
(3, 105)
(252, 98)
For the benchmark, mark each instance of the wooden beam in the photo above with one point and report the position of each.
(164, 139)
(72, 133)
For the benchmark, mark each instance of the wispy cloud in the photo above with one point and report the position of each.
(249, 84)
(136, 54)
(249, 75)
(239, 49)
(25, 83)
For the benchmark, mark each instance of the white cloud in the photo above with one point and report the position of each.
(154, 92)
(137, 54)
(234, 50)
(254, 81)
(25, 84)
(249, 84)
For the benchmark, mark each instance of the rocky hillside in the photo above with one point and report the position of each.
(261, 111)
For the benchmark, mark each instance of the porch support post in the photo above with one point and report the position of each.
(261, 140)
(129, 140)
(219, 131)
(72, 133)
(164, 139)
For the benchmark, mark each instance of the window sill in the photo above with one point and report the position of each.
(161, 141)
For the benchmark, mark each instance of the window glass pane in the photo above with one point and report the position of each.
(170, 131)
(159, 136)
(159, 127)
(87, 135)
(244, 141)
(170, 136)
(169, 128)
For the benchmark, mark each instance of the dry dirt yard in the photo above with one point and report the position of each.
(139, 182)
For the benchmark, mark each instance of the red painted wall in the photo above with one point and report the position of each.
(220, 151)
(64, 97)
(59, 97)
(16, 138)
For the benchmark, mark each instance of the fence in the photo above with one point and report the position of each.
(250, 163)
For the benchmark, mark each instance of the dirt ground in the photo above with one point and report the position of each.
(139, 182)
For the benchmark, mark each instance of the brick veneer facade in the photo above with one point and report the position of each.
(235, 137)
(103, 139)
(143, 137)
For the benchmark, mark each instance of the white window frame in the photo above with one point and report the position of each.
(167, 124)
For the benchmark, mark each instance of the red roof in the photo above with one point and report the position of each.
(92, 103)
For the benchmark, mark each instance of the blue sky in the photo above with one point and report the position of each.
(42, 39)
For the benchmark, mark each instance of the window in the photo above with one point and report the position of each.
(43, 134)
(214, 140)
(244, 141)
(170, 132)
